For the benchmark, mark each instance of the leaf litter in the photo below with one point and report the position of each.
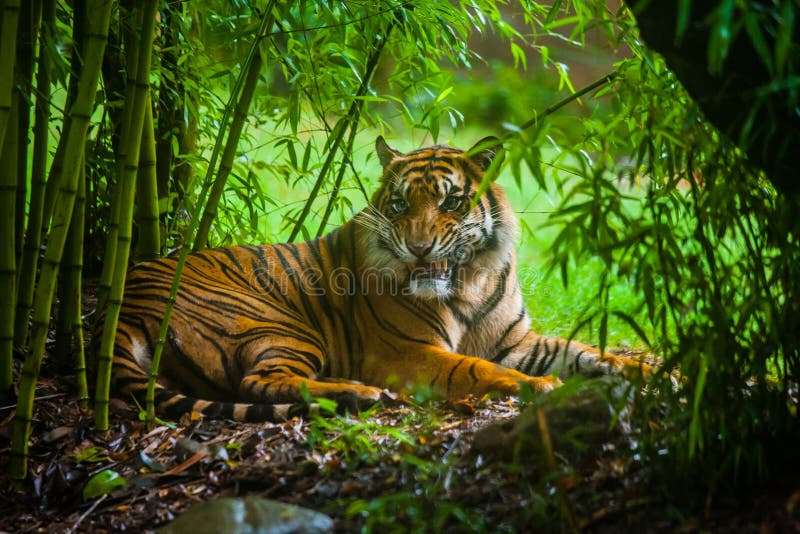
(453, 466)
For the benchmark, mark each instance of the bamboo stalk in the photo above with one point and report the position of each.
(69, 324)
(8, 258)
(169, 108)
(228, 155)
(149, 245)
(338, 132)
(75, 312)
(251, 68)
(190, 233)
(33, 237)
(69, 289)
(8, 53)
(130, 42)
(128, 187)
(80, 15)
(337, 184)
(28, 33)
(80, 112)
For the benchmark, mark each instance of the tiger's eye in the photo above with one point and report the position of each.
(451, 203)
(398, 205)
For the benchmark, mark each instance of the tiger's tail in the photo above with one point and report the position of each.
(172, 404)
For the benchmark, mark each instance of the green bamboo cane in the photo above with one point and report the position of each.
(69, 281)
(79, 16)
(251, 69)
(77, 318)
(128, 188)
(149, 245)
(8, 53)
(33, 237)
(28, 34)
(75, 285)
(170, 100)
(228, 155)
(8, 258)
(69, 326)
(338, 132)
(192, 231)
(80, 112)
(129, 40)
(337, 184)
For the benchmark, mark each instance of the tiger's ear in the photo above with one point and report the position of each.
(483, 152)
(385, 153)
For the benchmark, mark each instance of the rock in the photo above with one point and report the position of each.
(578, 424)
(248, 515)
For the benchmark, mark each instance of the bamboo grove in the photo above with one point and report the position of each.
(115, 146)
(113, 43)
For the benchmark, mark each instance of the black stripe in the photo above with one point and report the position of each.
(452, 373)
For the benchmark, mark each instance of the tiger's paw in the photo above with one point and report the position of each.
(543, 384)
(627, 367)
(356, 398)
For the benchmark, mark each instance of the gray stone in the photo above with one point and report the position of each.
(248, 515)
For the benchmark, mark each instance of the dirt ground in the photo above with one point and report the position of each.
(405, 466)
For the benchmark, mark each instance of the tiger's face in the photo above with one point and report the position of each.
(423, 230)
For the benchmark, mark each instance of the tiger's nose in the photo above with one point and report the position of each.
(419, 249)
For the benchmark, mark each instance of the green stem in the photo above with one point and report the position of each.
(80, 113)
(608, 78)
(8, 258)
(69, 326)
(129, 41)
(149, 245)
(33, 237)
(245, 83)
(79, 30)
(228, 155)
(339, 177)
(128, 187)
(76, 274)
(349, 120)
(191, 232)
(9, 19)
(28, 33)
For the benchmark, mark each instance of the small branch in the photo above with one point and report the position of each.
(37, 399)
(608, 78)
(350, 120)
(85, 514)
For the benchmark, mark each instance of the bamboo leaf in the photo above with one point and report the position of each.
(103, 483)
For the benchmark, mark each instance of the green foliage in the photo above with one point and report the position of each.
(669, 206)
(355, 437)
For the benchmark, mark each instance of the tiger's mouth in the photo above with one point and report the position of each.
(439, 270)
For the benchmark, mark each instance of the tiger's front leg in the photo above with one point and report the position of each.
(453, 375)
(538, 355)
(281, 374)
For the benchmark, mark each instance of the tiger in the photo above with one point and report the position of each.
(420, 287)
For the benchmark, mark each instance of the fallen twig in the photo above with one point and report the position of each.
(85, 514)
(37, 399)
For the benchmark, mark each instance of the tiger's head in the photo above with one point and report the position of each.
(421, 226)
